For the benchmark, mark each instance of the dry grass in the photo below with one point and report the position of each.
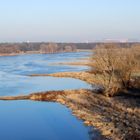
(116, 118)
(84, 76)
(114, 67)
(77, 63)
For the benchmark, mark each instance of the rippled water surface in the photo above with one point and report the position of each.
(28, 120)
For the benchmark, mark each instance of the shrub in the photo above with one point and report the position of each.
(114, 67)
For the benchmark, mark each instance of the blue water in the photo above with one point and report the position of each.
(14, 71)
(28, 120)
(40, 63)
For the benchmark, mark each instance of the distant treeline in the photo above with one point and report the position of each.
(93, 45)
(8, 48)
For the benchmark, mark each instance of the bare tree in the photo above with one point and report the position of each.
(113, 67)
(49, 48)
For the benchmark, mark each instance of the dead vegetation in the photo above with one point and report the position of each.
(116, 70)
(84, 76)
(77, 63)
(114, 67)
(117, 118)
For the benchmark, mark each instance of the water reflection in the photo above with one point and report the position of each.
(27, 120)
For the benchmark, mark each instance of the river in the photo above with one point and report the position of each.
(29, 120)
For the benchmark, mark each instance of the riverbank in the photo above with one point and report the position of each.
(78, 63)
(117, 118)
(82, 75)
(33, 52)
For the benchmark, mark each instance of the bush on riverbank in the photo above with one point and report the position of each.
(116, 68)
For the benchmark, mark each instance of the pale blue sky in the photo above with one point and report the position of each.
(69, 20)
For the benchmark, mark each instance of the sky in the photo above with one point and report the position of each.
(69, 20)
